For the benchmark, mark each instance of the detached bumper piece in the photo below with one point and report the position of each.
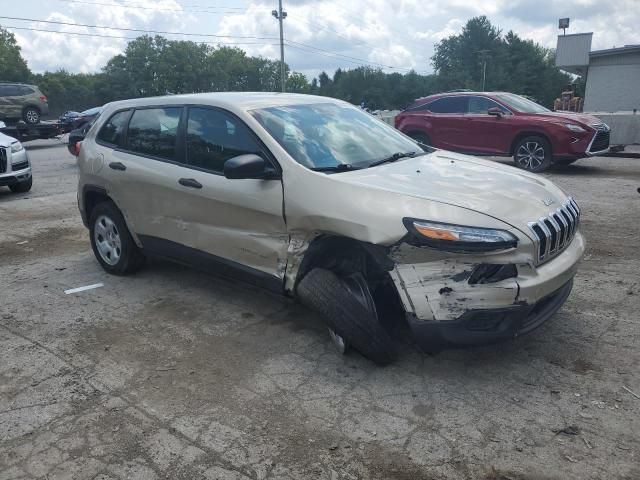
(477, 327)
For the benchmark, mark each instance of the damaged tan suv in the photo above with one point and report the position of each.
(315, 199)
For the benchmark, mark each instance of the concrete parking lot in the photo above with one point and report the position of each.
(177, 374)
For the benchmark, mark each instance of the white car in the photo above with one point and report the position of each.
(15, 168)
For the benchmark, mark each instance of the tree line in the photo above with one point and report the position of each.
(155, 65)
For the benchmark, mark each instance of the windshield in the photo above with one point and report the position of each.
(520, 103)
(326, 135)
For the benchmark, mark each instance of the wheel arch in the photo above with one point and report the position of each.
(343, 254)
(529, 133)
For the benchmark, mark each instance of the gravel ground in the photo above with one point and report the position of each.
(175, 374)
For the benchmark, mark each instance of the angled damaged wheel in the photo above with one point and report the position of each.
(349, 311)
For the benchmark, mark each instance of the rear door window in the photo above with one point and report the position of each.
(449, 105)
(154, 132)
(214, 136)
(10, 90)
(112, 132)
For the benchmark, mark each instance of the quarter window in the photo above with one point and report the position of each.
(154, 131)
(112, 131)
(213, 137)
(449, 105)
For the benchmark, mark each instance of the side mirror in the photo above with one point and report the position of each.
(495, 111)
(246, 166)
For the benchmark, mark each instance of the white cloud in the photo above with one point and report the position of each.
(399, 34)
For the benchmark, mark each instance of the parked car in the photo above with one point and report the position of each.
(504, 124)
(74, 120)
(76, 137)
(20, 101)
(15, 168)
(318, 200)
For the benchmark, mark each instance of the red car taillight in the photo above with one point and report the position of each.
(43, 99)
(76, 148)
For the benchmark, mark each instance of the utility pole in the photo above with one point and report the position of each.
(281, 15)
(484, 54)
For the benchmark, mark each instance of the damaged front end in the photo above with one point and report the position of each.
(470, 298)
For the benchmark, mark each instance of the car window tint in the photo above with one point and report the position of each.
(112, 131)
(26, 90)
(213, 137)
(478, 105)
(449, 105)
(154, 131)
(10, 90)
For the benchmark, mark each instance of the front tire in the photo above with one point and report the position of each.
(533, 153)
(22, 187)
(349, 311)
(111, 241)
(31, 115)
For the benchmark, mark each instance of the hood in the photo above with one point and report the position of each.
(583, 118)
(506, 193)
(6, 140)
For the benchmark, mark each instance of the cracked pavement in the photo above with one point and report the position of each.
(175, 374)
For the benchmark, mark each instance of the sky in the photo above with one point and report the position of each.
(321, 34)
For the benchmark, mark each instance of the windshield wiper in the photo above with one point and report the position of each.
(342, 167)
(394, 157)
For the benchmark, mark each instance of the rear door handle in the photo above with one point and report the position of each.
(190, 182)
(117, 166)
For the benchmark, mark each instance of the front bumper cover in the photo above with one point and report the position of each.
(484, 326)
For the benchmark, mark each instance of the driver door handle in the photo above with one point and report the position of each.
(190, 182)
(117, 166)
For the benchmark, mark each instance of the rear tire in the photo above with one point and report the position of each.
(533, 153)
(111, 241)
(31, 115)
(22, 187)
(354, 319)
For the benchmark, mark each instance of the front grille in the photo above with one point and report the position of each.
(554, 233)
(19, 166)
(601, 140)
(3, 160)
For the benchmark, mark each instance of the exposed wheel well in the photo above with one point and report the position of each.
(343, 255)
(522, 135)
(27, 107)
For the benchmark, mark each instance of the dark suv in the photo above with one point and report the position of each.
(20, 101)
(504, 124)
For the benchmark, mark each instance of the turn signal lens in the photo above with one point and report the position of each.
(436, 234)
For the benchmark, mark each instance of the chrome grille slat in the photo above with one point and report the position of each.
(553, 233)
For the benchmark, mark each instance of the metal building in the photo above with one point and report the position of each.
(612, 75)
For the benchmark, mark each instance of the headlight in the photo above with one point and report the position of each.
(16, 147)
(446, 236)
(574, 128)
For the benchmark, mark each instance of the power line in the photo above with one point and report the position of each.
(136, 29)
(340, 56)
(140, 7)
(126, 38)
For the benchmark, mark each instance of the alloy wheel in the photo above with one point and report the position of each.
(530, 155)
(107, 238)
(32, 116)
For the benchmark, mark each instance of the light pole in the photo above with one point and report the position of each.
(280, 15)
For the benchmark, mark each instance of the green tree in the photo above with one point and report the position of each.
(13, 68)
(513, 64)
(297, 83)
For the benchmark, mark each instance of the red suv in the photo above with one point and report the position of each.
(504, 124)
